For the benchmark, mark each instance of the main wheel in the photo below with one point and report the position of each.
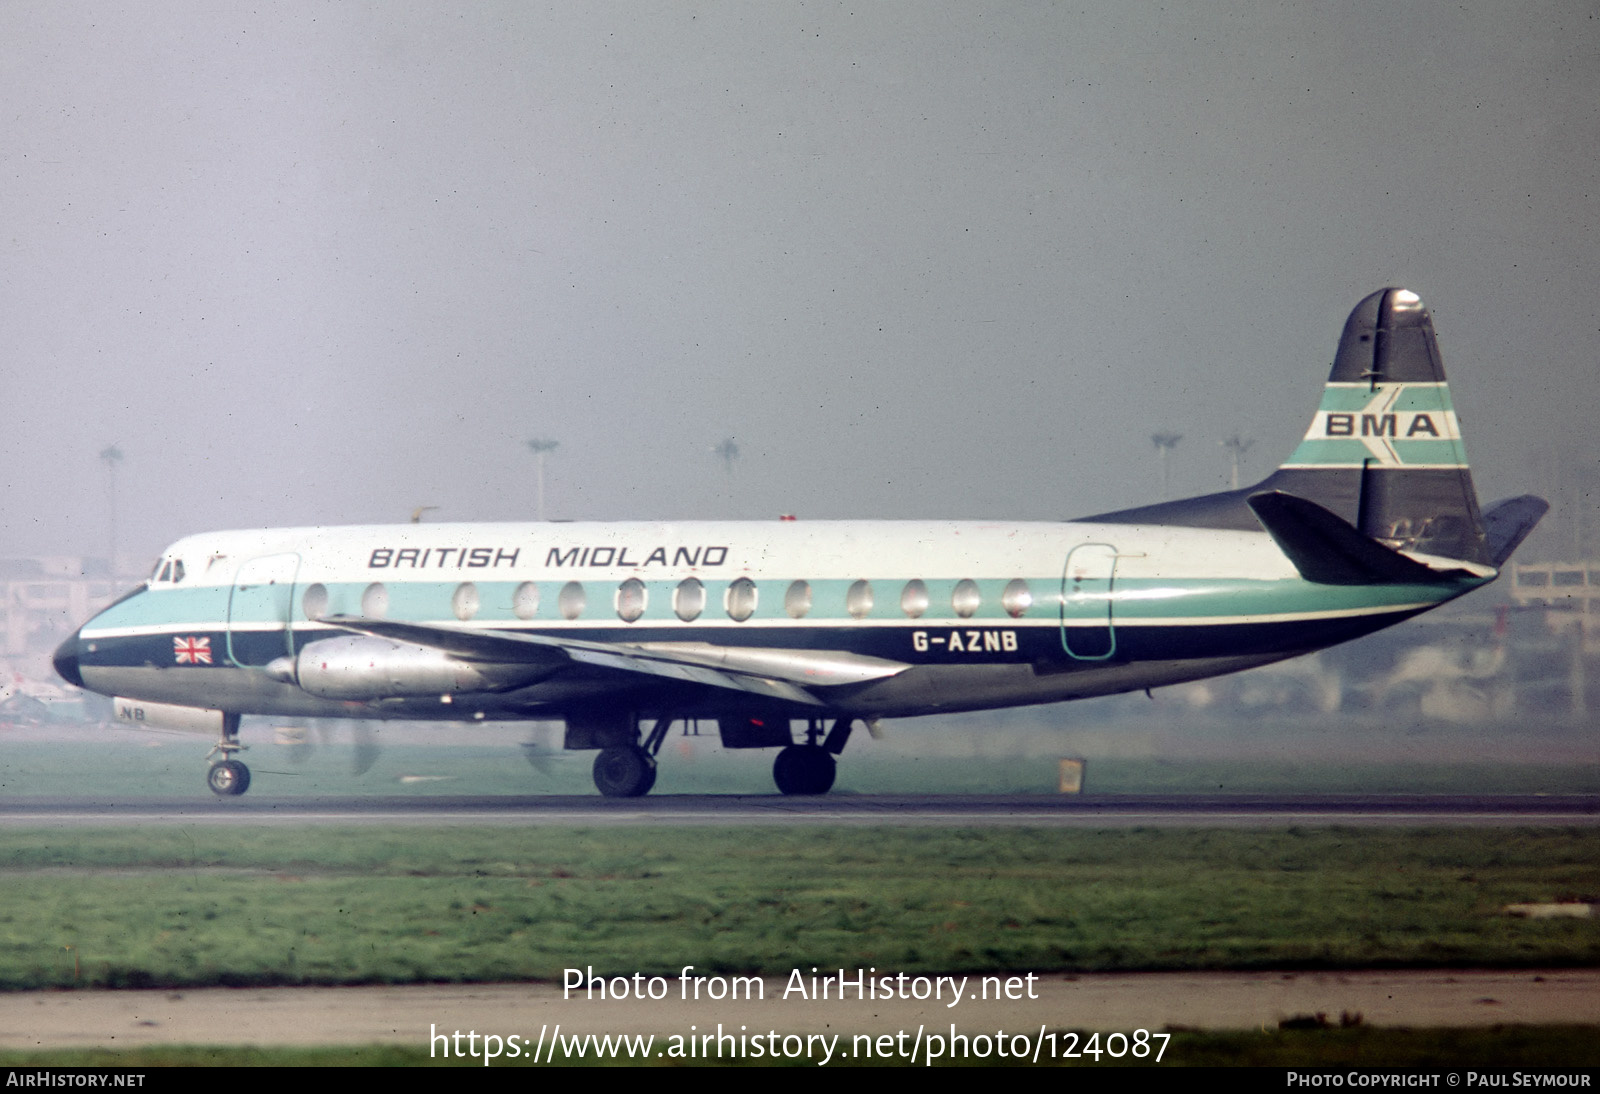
(804, 769)
(228, 779)
(624, 772)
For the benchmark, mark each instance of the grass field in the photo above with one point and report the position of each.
(170, 907)
(191, 907)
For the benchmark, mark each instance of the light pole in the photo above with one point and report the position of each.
(727, 450)
(1237, 446)
(112, 455)
(1165, 443)
(541, 447)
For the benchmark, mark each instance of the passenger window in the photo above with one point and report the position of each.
(858, 601)
(525, 601)
(689, 599)
(740, 600)
(375, 601)
(465, 602)
(631, 599)
(1017, 598)
(571, 601)
(914, 598)
(315, 601)
(797, 600)
(966, 598)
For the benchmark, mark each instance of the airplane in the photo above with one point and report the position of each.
(619, 630)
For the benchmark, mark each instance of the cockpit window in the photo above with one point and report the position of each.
(167, 569)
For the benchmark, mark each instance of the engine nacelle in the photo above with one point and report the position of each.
(360, 667)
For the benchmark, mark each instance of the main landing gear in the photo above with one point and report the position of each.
(809, 769)
(228, 778)
(804, 769)
(625, 769)
(629, 771)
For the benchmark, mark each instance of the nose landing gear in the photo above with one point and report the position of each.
(228, 778)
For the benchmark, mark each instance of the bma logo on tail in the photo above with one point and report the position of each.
(1391, 425)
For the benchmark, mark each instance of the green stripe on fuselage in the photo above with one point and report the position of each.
(1196, 600)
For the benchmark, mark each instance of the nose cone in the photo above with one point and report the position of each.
(66, 661)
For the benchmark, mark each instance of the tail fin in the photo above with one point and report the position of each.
(1383, 451)
(1386, 417)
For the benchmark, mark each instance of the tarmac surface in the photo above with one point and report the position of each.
(1104, 1002)
(1063, 811)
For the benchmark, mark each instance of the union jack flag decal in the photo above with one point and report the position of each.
(192, 651)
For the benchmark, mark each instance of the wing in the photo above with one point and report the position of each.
(774, 673)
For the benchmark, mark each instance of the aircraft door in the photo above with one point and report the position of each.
(1087, 582)
(260, 609)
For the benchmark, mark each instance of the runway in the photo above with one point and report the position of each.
(410, 1015)
(1063, 811)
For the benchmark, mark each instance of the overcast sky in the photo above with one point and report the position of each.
(323, 263)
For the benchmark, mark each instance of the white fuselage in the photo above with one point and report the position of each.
(970, 614)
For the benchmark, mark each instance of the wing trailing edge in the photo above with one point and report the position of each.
(774, 673)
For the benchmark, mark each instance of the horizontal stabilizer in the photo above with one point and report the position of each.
(1329, 551)
(1507, 524)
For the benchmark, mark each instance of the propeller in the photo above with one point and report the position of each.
(298, 742)
(543, 748)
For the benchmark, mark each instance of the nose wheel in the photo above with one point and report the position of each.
(228, 779)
